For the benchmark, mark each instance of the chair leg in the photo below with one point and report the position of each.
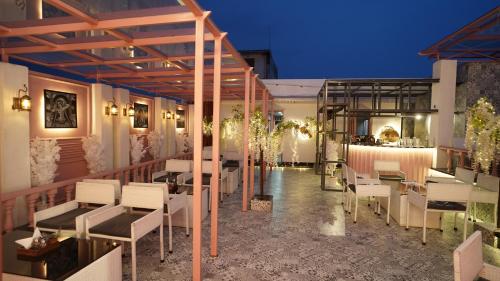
(134, 262)
(186, 220)
(368, 201)
(170, 234)
(425, 228)
(465, 222)
(210, 199)
(356, 209)
(495, 214)
(475, 212)
(455, 222)
(350, 201)
(162, 246)
(407, 214)
(388, 209)
(441, 222)
(378, 203)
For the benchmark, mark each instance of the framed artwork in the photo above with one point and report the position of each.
(60, 109)
(181, 119)
(141, 115)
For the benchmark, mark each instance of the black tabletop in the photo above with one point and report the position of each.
(67, 259)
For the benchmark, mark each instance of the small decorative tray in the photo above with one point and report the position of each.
(31, 253)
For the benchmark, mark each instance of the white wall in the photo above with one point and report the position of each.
(121, 130)
(102, 124)
(15, 173)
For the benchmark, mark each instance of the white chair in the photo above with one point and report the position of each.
(69, 217)
(461, 176)
(440, 197)
(172, 204)
(468, 261)
(117, 224)
(386, 169)
(206, 170)
(116, 184)
(181, 169)
(366, 188)
(207, 153)
(486, 191)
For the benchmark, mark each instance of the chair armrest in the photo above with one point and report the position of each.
(368, 181)
(186, 176)
(147, 224)
(416, 199)
(80, 225)
(177, 202)
(158, 174)
(442, 180)
(224, 173)
(100, 217)
(402, 174)
(54, 211)
(490, 272)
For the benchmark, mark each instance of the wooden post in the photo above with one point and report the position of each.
(197, 144)
(254, 149)
(245, 140)
(215, 145)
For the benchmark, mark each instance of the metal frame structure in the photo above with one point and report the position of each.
(477, 41)
(76, 40)
(342, 100)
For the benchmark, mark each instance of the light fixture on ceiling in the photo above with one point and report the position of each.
(22, 103)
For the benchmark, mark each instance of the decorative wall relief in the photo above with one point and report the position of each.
(60, 109)
(141, 115)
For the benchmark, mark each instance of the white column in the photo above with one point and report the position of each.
(443, 99)
(15, 171)
(170, 135)
(121, 129)
(102, 124)
(160, 123)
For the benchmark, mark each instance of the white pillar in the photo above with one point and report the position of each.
(121, 129)
(102, 124)
(170, 136)
(15, 171)
(443, 99)
(160, 124)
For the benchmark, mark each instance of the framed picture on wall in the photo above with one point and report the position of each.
(60, 109)
(181, 119)
(141, 115)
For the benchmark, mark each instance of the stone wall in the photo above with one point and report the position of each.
(475, 80)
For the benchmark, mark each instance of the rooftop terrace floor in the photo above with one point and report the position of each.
(307, 237)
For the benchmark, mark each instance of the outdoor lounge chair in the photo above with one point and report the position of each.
(461, 176)
(176, 170)
(440, 197)
(69, 217)
(468, 261)
(117, 224)
(206, 170)
(366, 188)
(116, 184)
(486, 191)
(172, 204)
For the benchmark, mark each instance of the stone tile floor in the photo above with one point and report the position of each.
(307, 237)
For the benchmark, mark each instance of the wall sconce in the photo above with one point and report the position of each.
(169, 115)
(130, 111)
(22, 103)
(111, 110)
(177, 116)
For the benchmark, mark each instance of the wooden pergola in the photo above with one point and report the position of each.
(173, 51)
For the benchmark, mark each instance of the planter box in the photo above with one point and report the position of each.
(262, 203)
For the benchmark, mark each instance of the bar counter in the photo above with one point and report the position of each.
(415, 162)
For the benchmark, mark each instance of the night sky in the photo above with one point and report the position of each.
(350, 38)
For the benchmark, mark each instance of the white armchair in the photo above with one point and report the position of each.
(468, 261)
(181, 169)
(206, 170)
(69, 217)
(117, 224)
(461, 176)
(366, 188)
(388, 170)
(440, 197)
(172, 204)
(116, 184)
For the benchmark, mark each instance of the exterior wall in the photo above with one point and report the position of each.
(264, 64)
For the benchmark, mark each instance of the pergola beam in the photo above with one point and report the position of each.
(111, 20)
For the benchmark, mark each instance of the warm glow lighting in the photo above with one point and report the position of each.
(418, 116)
(169, 115)
(131, 110)
(177, 116)
(22, 103)
(111, 110)
(114, 110)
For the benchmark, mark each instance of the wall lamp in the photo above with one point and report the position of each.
(22, 103)
(129, 110)
(169, 115)
(177, 116)
(111, 109)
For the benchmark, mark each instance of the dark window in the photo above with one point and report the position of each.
(251, 62)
